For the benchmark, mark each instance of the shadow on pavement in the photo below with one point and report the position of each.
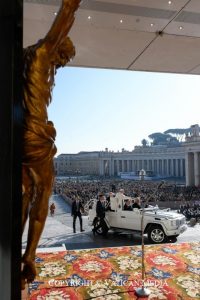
(88, 241)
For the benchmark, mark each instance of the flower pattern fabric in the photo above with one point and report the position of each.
(171, 273)
(52, 269)
(92, 267)
(128, 263)
(190, 284)
(56, 294)
(194, 258)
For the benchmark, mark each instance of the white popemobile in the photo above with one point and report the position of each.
(160, 225)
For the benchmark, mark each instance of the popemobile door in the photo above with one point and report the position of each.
(130, 219)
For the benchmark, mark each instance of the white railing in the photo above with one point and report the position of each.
(91, 202)
(88, 204)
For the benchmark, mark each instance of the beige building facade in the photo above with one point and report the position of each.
(82, 163)
(160, 161)
(180, 161)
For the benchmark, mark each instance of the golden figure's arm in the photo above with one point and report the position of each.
(61, 25)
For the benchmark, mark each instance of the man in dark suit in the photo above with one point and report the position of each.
(127, 204)
(100, 211)
(137, 203)
(77, 208)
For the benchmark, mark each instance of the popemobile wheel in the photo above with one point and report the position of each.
(156, 235)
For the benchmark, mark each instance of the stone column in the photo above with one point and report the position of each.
(101, 167)
(133, 165)
(155, 166)
(172, 167)
(169, 163)
(136, 165)
(117, 165)
(189, 168)
(111, 167)
(140, 164)
(160, 166)
(181, 168)
(114, 167)
(122, 165)
(152, 166)
(130, 165)
(197, 168)
(149, 165)
(125, 165)
(146, 164)
(167, 167)
(107, 167)
(177, 168)
(164, 167)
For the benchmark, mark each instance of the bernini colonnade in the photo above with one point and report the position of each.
(181, 160)
(168, 167)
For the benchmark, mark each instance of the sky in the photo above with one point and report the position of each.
(94, 109)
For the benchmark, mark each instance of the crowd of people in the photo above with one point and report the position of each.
(191, 210)
(151, 191)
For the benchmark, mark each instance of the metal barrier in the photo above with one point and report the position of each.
(91, 202)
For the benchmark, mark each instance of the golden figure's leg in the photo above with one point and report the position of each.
(27, 194)
(43, 178)
(27, 198)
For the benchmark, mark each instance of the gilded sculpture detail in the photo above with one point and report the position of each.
(40, 64)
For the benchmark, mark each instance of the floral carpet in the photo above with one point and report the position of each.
(172, 272)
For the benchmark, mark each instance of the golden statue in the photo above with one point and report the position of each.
(40, 64)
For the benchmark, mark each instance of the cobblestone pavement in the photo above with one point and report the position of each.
(58, 231)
